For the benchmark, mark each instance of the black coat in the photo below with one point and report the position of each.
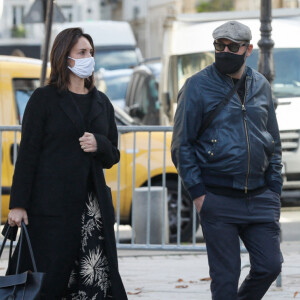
(51, 176)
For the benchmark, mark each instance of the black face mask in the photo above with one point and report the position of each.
(229, 63)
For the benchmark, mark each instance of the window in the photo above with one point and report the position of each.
(287, 72)
(67, 12)
(141, 95)
(130, 96)
(23, 89)
(18, 15)
(190, 64)
(184, 66)
(115, 85)
(115, 59)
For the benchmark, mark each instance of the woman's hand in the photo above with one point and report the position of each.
(16, 216)
(88, 142)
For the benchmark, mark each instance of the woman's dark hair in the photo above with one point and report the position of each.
(63, 43)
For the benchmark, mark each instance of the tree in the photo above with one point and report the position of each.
(215, 5)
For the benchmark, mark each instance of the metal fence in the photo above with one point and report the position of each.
(147, 134)
(148, 130)
(178, 245)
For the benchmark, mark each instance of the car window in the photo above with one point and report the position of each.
(190, 64)
(115, 59)
(116, 86)
(144, 98)
(182, 67)
(23, 89)
(287, 73)
(141, 93)
(153, 87)
(131, 92)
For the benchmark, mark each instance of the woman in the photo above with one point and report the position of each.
(68, 136)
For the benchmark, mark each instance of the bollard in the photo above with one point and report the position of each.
(156, 215)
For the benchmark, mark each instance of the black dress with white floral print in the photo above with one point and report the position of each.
(89, 279)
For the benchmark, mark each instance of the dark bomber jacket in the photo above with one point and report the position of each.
(241, 149)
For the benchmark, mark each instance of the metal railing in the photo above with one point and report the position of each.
(133, 130)
(148, 130)
(192, 246)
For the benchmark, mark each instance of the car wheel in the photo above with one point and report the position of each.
(186, 213)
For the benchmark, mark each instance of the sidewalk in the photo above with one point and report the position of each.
(174, 276)
(159, 275)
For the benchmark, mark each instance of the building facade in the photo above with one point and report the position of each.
(255, 4)
(12, 20)
(147, 19)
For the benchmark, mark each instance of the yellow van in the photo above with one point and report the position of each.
(19, 77)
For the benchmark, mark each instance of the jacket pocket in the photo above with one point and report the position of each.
(211, 145)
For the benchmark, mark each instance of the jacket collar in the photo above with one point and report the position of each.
(70, 108)
(96, 106)
(228, 80)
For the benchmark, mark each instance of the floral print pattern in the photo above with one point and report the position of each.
(89, 279)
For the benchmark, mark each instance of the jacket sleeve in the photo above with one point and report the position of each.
(187, 123)
(273, 172)
(107, 146)
(29, 152)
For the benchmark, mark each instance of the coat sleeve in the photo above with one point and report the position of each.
(187, 123)
(107, 146)
(273, 172)
(29, 152)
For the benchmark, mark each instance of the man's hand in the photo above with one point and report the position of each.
(199, 202)
(88, 142)
(16, 216)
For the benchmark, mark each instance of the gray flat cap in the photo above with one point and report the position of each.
(234, 31)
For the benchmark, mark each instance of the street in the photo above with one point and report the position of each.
(159, 275)
(290, 223)
(165, 275)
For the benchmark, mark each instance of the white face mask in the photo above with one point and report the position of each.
(83, 67)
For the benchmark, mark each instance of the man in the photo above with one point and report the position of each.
(232, 171)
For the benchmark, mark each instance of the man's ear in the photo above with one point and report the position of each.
(249, 50)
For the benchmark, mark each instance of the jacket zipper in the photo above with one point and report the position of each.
(246, 132)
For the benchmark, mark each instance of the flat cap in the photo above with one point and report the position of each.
(234, 31)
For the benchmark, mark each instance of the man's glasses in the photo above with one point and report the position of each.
(233, 47)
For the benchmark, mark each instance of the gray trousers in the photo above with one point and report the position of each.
(256, 221)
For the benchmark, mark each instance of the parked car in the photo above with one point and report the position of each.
(18, 79)
(114, 84)
(142, 101)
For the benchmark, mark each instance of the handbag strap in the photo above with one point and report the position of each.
(212, 114)
(23, 232)
(20, 250)
(4, 242)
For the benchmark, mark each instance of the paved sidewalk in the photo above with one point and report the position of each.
(173, 276)
(179, 276)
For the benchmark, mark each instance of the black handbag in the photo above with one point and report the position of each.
(27, 285)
